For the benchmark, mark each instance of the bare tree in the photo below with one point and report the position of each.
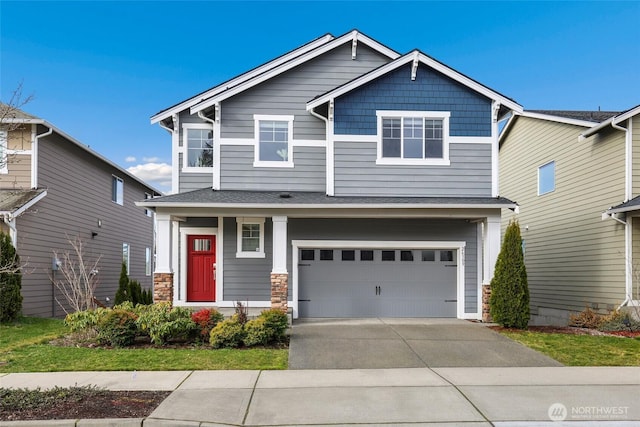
(12, 124)
(79, 277)
(11, 109)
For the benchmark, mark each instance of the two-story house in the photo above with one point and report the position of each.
(341, 179)
(576, 177)
(54, 188)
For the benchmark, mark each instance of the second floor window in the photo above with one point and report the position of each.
(117, 190)
(273, 141)
(199, 148)
(413, 137)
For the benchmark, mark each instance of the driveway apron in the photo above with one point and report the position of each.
(404, 343)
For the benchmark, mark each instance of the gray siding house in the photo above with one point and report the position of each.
(341, 179)
(576, 177)
(54, 188)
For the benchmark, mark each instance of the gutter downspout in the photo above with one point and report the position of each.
(34, 156)
(328, 153)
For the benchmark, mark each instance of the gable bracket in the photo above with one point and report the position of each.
(174, 119)
(414, 66)
(354, 47)
(496, 111)
(330, 112)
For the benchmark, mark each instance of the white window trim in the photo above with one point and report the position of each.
(185, 148)
(128, 261)
(554, 177)
(257, 163)
(440, 115)
(4, 151)
(113, 179)
(148, 262)
(249, 254)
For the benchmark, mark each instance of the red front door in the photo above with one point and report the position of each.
(201, 268)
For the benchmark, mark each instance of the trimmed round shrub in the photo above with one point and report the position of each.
(227, 334)
(276, 324)
(163, 323)
(118, 328)
(256, 333)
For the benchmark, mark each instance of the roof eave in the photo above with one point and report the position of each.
(558, 119)
(151, 204)
(612, 120)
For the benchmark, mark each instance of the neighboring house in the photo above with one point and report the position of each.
(53, 188)
(570, 172)
(341, 179)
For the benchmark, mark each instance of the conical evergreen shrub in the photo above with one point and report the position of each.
(122, 294)
(10, 281)
(509, 302)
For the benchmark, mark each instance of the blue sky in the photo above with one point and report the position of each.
(99, 70)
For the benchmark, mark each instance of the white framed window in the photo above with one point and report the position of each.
(250, 238)
(117, 190)
(273, 135)
(126, 256)
(147, 261)
(197, 144)
(4, 160)
(546, 178)
(413, 137)
(148, 212)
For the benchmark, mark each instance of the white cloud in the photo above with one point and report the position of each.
(151, 159)
(130, 159)
(155, 174)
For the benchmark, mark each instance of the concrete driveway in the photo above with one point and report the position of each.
(404, 343)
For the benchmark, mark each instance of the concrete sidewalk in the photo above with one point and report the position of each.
(411, 396)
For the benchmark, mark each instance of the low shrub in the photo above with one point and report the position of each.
(227, 334)
(241, 313)
(85, 319)
(586, 319)
(276, 323)
(619, 321)
(256, 333)
(118, 328)
(163, 323)
(206, 319)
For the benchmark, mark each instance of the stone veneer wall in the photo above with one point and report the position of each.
(486, 296)
(279, 291)
(163, 287)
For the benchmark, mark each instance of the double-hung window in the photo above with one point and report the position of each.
(273, 136)
(546, 178)
(250, 234)
(413, 137)
(198, 147)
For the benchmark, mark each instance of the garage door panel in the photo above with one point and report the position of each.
(402, 286)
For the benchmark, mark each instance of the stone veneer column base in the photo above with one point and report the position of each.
(163, 287)
(279, 291)
(486, 296)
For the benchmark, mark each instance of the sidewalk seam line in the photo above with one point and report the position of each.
(473, 405)
(183, 381)
(246, 412)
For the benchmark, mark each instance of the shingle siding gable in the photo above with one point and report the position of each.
(355, 112)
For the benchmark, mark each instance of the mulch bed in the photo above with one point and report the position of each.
(106, 404)
(572, 331)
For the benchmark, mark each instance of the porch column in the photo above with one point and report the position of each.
(491, 249)
(279, 274)
(163, 273)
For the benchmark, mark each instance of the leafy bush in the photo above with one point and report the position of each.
(85, 319)
(228, 334)
(163, 323)
(118, 328)
(206, 319)
(619, 321)
(509, 302)
(586, 319)
(269, 328)
(10, 281)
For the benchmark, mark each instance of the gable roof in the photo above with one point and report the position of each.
(19, 116)
(629, 205)
(167, 112)
(353, 36)
(412, 56)
(14, 203)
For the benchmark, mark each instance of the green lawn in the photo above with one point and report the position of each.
(24, 348)
(581, 350)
